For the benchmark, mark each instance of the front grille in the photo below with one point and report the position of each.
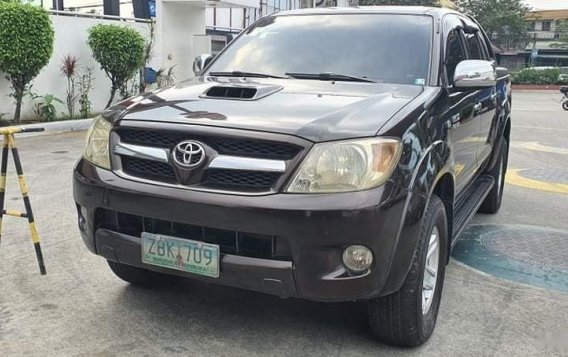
(223, 145)
(148, 169)
(259, 149)
(219, 179)
(236, 178)
(230, 242)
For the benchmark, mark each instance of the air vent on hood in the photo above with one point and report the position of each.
(243, 90)
(231, 92)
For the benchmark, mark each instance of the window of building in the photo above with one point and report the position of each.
(531, 26)
(546, 25)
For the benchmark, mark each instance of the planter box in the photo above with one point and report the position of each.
(554, 87)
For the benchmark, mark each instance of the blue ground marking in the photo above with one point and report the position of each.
(473, 249)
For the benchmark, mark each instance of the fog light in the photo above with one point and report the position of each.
(357, 258)
(82, 213)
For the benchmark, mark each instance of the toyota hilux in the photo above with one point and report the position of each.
(324, 154)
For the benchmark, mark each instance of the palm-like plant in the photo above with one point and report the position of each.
(69, 70)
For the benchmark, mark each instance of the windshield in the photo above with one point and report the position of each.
(380, 47)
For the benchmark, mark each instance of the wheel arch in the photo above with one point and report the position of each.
(444, 188)
(507, 130)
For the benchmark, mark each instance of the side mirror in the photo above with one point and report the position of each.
(200, 62)
(473, 74)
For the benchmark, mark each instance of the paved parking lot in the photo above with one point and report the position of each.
(489, 308)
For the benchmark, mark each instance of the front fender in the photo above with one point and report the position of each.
(432, 165)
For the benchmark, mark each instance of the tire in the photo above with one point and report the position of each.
(565, 105)
(398, 319)
(492, 202)
(140, 277)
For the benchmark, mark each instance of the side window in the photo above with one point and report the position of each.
(484, 49)
(473, 48)
(454, 53)
(487, 45)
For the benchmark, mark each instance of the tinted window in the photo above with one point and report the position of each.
(384, 48)
(473, 49)
(454, 53)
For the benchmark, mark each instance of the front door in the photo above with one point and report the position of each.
(486, 99)
(462, 115)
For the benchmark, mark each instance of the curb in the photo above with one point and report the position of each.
(64, 126)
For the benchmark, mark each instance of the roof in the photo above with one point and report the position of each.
(410, 10)
(547, 15)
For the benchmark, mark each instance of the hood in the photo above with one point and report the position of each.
(311, 109)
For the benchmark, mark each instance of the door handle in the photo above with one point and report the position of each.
(477, 107)
(493, 96)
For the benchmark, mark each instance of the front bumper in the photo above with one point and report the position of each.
(316, 227)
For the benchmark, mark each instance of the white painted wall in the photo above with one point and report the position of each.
(70, 38)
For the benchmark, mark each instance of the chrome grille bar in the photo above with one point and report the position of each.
(247, 163)
(219, 162)
(142, 152)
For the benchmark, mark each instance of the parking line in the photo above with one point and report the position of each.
(539, 128)
(514, 178)
(535, 146)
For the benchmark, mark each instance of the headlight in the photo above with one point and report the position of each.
(96, 148)
(345, 166)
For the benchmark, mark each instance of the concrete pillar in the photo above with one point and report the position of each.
(177, 23)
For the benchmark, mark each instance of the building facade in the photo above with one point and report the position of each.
(545, 33)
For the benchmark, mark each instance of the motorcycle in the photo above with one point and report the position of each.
(564, 90)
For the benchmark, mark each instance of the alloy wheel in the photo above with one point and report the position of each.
(431, 270)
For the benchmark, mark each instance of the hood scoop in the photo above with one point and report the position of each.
(236, 91)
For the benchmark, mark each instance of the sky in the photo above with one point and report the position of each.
(547, 4)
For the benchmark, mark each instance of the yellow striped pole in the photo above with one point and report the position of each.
(10, 144)
(3, 169)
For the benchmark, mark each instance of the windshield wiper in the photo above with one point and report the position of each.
(243, 74)
(329, 76)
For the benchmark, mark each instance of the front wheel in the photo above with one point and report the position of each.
(407, 317)
(565, 105)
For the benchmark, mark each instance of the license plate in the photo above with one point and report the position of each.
(180, 254)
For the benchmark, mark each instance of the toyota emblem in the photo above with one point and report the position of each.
(189, 154)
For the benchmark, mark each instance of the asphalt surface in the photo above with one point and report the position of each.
(80, 308)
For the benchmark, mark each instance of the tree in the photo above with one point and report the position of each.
(120, 52)
(26, 44)
(503, 20)
(400, 2)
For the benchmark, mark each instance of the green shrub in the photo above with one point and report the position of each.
(44, 106)
(26, 44)
(537, 76)
(120, 52)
